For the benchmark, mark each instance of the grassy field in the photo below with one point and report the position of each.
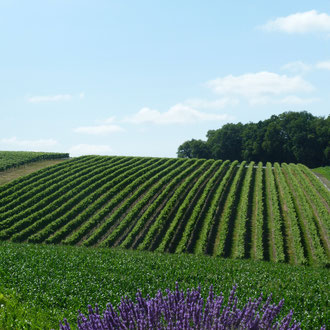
(52, 282)
(325, 171)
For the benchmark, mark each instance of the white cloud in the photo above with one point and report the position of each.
(29, 145)
(178, 114)
(89, 149)
(288, 100)
(323, 65)
(259, 87)
(53, 98)
(309, 21)
(297, 67)
(99, 129)
(110, 120)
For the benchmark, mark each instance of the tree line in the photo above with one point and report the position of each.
(291, 137)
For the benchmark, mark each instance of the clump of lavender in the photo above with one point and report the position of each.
(179, 310)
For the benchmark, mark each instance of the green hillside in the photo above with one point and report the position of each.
(220, 208)
(9, 159)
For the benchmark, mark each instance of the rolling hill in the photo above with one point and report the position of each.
(229, 209)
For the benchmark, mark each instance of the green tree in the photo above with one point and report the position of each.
(194, 149)
(226, 143)
(297, 137)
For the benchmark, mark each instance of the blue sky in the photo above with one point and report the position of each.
(141, 77)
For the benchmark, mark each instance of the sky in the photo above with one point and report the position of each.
(139, 78)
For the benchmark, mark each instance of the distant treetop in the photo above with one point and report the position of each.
(291, 137)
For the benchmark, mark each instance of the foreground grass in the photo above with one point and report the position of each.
(43, 284)
(325, 171)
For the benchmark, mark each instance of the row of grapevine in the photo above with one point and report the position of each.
(320, 210)
(26, 183)
(134, 190)
(53, 207)
(209, 221)
(197, 212)
(54, 192)
(178, 167)
(225, 217)
(54, 180)
(34, 177)
(274, 220)
(154, 208)
(162, 218)
(91, 203)
(316, 183)
(293, 232)
(312, 240)
(134, 212)
(239, 233)
(55, 200)
(257, 217)
(278, 213)
(185, 206)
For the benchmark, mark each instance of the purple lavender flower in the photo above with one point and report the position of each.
(179, 310)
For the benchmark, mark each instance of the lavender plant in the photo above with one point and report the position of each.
(179, 310)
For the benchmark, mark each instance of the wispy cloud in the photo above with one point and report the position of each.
(89, 149)
(177, 114)
(296, 100)
(54, 98)
(323, 65)
(300, 67)
(259, 87)
(30, 145)
(99, 129)
(306, 22)
(297, 67)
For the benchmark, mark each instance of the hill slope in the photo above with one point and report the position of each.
(222, 208)
(10, 159)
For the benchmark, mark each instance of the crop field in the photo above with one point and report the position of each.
(272, 212)
(43, 284)
(9, 159)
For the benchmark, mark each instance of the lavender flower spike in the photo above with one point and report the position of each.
(180, 310)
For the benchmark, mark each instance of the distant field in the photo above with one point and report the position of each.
(325, 171)
(220, 208)
(42, 284)
(26, 169)
(10, 159)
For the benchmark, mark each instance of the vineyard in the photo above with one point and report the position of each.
(237, 210)
(9, 159)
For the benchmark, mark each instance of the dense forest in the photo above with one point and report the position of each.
(291, 137)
